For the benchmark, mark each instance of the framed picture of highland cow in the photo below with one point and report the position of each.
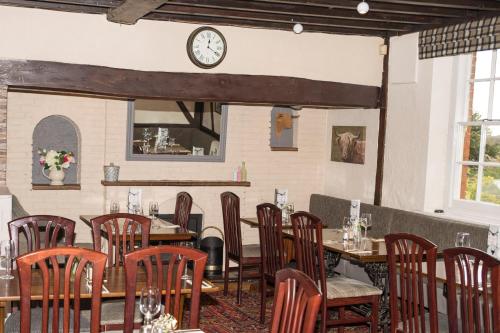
(348, 144)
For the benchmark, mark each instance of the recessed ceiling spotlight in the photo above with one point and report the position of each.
(298, 28)
(363, 7)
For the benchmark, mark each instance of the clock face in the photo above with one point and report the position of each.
(206, 47)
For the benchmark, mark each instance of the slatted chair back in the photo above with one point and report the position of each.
(296, 304)
(183, 204)
(271, 238)
(41, 232)
(476, 275)
(62, 283)
(124, 233)
(232, 228)
(308, 240)
(412, 266)
(167, 277)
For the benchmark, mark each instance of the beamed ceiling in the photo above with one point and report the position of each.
(385, 18)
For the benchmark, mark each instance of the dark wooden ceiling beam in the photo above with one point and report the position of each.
(482, 5)
(234, 88)
(132, 10)
(281, 18)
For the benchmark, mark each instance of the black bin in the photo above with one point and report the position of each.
(213, 246)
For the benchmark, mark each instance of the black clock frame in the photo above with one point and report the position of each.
(189, 47)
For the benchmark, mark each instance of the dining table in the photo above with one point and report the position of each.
(114, 286)
(161, 230)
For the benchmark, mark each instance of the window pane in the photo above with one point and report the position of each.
(468, 182)
(472, 140)
(496, 100)
(491, 185)
(492, 152)
(480, 102)
(483, 64)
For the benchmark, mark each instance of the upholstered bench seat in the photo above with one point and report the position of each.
(112, 312)
(251, 250)
(442, 324)
(342, 287)
(13, 322)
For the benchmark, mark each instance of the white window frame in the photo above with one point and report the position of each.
(475, 210)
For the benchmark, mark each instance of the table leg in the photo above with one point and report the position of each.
(2, 316)
(379, 275)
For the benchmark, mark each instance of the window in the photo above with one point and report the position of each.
(176, 130)
(477, 167)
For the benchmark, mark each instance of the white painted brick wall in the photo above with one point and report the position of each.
(102, 124)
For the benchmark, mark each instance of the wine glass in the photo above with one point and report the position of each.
(366, 221)
(346, 228)
(462, 239)
(149, 305)
(6, 255)
(154, 209)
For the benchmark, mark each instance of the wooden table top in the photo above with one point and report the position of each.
(160, 230)
(114, 287)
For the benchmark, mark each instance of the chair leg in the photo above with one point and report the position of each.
(324, 315)
(226, 275)
(341, 316)
(374, 315)
(240, 282)
(263, 285)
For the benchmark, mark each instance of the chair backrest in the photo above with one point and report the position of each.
(54, 228)
(166, 276)
(296, 304)
(271, 238)
(183, 204)
(120, 231)
(476, 275)
(232, 228)
(308, 240)
(69, 279)
(412, 266)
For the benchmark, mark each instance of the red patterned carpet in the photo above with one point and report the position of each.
(220, 314)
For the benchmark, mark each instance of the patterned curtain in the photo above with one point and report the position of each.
(461, 38)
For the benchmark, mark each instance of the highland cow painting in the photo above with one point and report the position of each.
(348, 144)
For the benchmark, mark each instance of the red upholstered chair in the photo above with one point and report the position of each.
(297, 300)
(271, 248)
(60, 312)
(407, 254)
(476, 275)
(167, 278)
(40, 232)
(244, 255)
(183, 204)
(340, 291)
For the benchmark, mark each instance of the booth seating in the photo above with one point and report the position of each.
(440, 231)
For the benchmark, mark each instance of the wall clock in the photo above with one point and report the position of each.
(206, 47)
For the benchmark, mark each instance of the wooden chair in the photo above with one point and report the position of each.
(297, 300)
(244, 255)
(63, 282)
(41, 232)
(271, 248)
(340, 291)
(183, 204)
(171, 283)
(111, 227)
(407, 254)
(479, 288)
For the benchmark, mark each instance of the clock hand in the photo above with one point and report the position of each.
(216, 53)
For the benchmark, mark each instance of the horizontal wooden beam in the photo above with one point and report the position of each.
(231, 88)
(176, 183)
(132, 10)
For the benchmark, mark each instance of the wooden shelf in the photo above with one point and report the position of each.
(284, 149)
(175, 183)
(65, 187)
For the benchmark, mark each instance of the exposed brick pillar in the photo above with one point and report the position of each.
(3, 135)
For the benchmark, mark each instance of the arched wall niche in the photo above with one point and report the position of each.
(59, 133)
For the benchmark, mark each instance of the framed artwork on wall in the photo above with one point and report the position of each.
(348, 144)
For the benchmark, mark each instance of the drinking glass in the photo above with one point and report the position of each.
(137, 209)
(154, 208)
(149, 305)
(114, 207)
(346, 228)
(6, 255)
(366, 221)
(462, 239)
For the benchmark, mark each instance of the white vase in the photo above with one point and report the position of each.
(56, 176)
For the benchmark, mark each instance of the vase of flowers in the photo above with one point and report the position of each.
(55, 162)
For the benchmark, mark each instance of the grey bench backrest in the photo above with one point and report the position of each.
(386, 220)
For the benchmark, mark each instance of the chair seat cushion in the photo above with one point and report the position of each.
(112, 312)
(342, 287)
(13, 323)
